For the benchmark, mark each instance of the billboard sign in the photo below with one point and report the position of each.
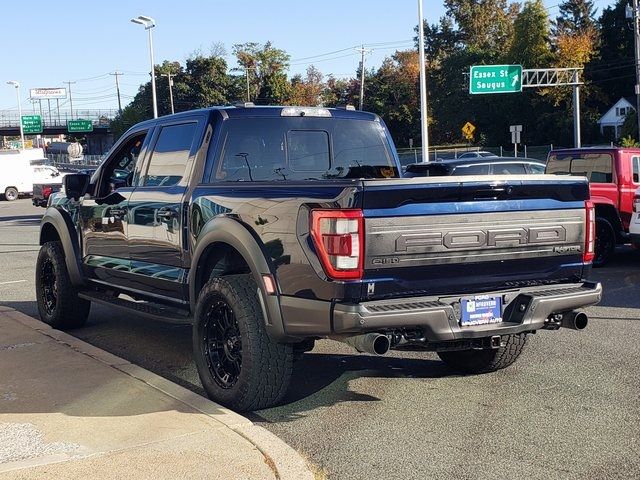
(44, 93)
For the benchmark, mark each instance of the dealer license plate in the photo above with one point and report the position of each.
(481, 310)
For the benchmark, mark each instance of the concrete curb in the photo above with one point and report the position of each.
(288, 463)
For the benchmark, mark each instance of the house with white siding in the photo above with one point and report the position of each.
(614, 118)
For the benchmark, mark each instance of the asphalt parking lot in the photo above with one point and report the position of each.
(569, 408)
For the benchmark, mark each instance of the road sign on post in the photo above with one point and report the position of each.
(485, 79)
(468, 130)
(31, 124)
(515, 137)
(79, 126)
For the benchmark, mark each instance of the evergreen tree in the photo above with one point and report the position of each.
(575, 16)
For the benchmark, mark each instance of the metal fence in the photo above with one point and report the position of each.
(55, 118)
(446, 152)
(66, 162)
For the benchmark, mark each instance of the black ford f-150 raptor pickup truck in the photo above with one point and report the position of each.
(270, 227)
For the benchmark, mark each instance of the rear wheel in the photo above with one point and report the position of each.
(58, 301)
(605, 242)
(11, 194)
(484, 361)
(239, 365)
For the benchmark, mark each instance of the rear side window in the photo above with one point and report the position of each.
(270, 149)
(597, 167)
(471, 170)
(535, 168)
(636, 169)
(170, 154)
(509, 169)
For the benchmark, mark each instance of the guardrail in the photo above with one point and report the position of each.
(64, 161)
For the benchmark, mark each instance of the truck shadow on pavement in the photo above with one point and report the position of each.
(320, 377)
(322, 380)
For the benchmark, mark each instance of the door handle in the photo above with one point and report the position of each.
(166, 213)
(117, 212)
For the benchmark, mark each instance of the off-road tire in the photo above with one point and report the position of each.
(485, 361)
(11, 194)
(265, 366)
(68, 311)
(605, 243)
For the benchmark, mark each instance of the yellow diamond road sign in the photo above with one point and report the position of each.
(468, 129)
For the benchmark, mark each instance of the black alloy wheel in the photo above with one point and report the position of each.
(605, 243)
(49, 286)
(222, 344)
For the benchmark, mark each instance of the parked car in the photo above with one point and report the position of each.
(488, 166)
(634, 225)
(614, 177)
(268, 228)
(46, 174)
(477, 154)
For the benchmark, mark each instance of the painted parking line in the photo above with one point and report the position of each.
(12, 281)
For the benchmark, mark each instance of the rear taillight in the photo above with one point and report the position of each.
(338, 236)
(46, 191)
(590, 233)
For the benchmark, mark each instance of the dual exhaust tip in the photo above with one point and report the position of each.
(379, 344)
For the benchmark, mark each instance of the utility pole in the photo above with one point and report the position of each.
(362, 51)
(169, 75)
(117, 74)
(636, 42)
(70, 98)
(424, 127)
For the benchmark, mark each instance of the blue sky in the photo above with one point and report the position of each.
(45, 43)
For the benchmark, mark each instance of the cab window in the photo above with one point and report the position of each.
(118, 171)
(597, 167)
(170, 155)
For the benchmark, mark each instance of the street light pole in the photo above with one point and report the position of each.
(148, 24)
(424, 127)
(17, 87)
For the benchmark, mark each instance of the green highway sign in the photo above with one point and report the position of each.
(485, 79)
(79, 126)
(31, 124)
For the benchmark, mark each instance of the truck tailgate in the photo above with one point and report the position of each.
(441, 235)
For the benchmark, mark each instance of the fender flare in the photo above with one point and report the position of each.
(61, 221)
(235, 234)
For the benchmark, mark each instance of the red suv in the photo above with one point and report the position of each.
(614, 177)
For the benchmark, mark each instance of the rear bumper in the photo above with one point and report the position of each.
(525, 310)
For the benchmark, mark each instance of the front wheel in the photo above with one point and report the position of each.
(238, 364)
(11, 194)
(58, 301)
(485, 361)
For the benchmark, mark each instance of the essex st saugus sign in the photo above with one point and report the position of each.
(485, 79)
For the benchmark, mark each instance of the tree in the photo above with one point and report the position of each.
(575, 16)
(531, 33)
(483, 25)
(307, 91)
(612, 69)
(265, 66)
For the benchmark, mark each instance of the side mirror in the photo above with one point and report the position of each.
(76, 185)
